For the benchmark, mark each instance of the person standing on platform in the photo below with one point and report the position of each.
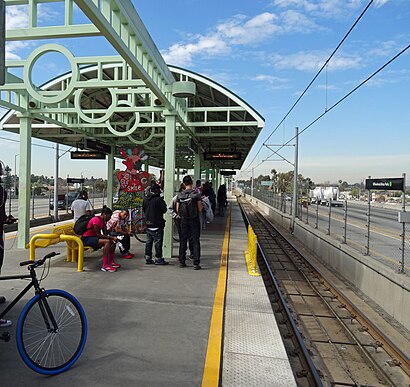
(154, 207)
(189, 207)
(198, 186)
(81, 205)
(222, 199)
(4, 219)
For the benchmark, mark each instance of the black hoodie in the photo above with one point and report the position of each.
(154, 208)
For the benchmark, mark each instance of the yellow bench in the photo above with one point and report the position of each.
(75, 247)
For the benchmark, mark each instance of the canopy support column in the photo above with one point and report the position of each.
(23, 236)
(110, 182)
(169, 178)
(197, 167)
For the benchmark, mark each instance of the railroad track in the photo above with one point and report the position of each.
(328, 339)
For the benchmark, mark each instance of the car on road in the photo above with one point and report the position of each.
(64, 201)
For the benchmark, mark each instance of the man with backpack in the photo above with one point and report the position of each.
(189, 206)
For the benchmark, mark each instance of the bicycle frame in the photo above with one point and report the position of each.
(44, 307)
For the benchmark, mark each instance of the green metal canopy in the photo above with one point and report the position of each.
(133, 99)
(129, 114)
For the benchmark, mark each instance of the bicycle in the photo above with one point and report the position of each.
(139, 228)
(52, 328)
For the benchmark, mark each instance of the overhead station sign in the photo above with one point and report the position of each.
(73, 180)
(94, 145)
(387, 184)
(227, 173)
(222, 156)
(85, 155)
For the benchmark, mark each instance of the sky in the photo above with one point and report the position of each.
(267, 52)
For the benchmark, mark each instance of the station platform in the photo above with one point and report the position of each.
(161, 325)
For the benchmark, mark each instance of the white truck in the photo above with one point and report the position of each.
(316, 195)
(326, 196)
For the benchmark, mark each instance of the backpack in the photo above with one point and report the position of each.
(188, 208)
(80, 225)
(209, 215)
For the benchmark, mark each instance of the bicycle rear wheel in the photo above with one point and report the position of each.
(44, 350)
(140, 229)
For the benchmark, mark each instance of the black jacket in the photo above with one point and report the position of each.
(3, 198)
(154, 208)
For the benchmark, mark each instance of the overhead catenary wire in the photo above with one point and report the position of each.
(312, 81)
(39, 145)
(340, 100)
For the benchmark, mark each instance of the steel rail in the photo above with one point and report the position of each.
(313, 371)
(391, 349)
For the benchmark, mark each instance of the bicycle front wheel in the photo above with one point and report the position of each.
(140, 230)
(44, 349)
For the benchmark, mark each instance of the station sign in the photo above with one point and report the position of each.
(95, 145)
(227, 173)
(85, 155)
(222, 156)
(73, 180)
(387, 184)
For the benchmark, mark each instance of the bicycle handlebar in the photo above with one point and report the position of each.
(40, 261)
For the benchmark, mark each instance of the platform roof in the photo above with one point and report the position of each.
(219, 120)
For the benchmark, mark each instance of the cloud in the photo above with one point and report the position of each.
(294, 21)
(251, 31)
(313, 61)
(324, 8)
(384, 49)
(237, 31)
(17, 17)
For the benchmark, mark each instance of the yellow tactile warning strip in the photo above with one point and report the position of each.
(211, 374)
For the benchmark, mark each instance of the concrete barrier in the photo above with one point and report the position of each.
(387, 288)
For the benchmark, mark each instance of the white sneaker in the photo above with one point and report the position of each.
(5, 323)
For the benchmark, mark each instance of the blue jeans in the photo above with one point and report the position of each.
(156, 238)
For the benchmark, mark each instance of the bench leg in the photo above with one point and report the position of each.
(80, 264)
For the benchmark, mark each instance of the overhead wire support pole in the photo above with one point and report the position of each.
(403, 236)
(315, 77)
(295, 181)
(347, 95)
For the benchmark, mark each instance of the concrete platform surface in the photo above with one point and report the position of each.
(148, 325)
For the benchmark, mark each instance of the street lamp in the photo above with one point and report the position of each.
(15, 174)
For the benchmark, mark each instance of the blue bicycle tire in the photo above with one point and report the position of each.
(20, 332)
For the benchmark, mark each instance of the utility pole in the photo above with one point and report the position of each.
(295, 181)
(56, 185)
(253, 170)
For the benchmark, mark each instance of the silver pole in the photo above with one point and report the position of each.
(368, 222)
(253, 170)
(403, 236)
(56, 185)
(345, 221)
(32, 192)
(295, 181)
(15, 175)
(330, 216)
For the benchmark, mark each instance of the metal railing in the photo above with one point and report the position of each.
(370, 228)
